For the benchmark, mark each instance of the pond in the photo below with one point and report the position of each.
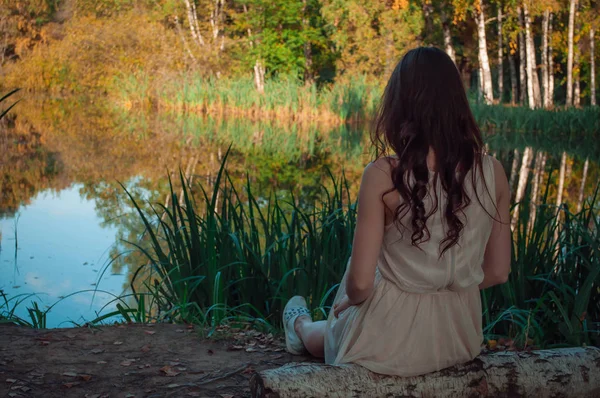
(65, 220)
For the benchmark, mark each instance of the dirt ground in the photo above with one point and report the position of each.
(133, 361)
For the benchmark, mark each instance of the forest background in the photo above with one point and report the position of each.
(150, 52)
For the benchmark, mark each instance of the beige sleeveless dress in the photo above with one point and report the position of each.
(424, 313)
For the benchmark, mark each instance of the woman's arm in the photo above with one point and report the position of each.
(496, 261)
(368, 236)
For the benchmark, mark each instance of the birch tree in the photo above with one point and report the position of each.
(446, 31)
(550, 64)
(572, 5)
(522, 60)
(500, 57)
(514, 95)
(545, 68)
(193, 23)
(486, 74)
(592, 69)
(529, 56)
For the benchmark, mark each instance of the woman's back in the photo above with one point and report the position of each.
(421, 269)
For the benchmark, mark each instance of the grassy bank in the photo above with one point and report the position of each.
(234, 255)
(345, 101)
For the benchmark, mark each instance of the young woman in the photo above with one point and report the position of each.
(432, 230)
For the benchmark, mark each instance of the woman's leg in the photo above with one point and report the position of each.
(312, 335)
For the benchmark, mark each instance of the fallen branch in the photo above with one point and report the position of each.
(566, 372)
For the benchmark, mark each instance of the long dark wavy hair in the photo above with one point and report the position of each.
(425, 106)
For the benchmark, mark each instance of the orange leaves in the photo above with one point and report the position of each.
(169, 371)
(400, 5)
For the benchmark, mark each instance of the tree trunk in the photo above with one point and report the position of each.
(308, 60)
(196, 26)
(592, 69)
(486, 78)
(447, 34)
(523, 176)
(513, 79)
(550, 64)
(500, 63)
(542, 374)
(545, 57)
(572, 4)
(513, 169)
(561, 179)
(522, 61)
(427, 9)
(530, 54)
(216, 18)
(196, 35)
(259, 76)
(582, 187)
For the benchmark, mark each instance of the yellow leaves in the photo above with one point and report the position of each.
(400, 5)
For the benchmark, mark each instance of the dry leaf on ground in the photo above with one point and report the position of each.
(169, 371)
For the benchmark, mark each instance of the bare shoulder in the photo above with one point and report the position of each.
(377, 176)
(382, 165)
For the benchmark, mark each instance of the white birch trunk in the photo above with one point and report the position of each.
(190, 15)
(308, 60)
(216, 20)
(561, 372)
(523, 177)
(545, 57)
(259, 76)
(582, 186)
(522, 61)
(500, 57)
(486, 78)
(448, 41)
(592, 69)
(561, 179)
(196, 26)
(572, 4)
(513, 79)
(530, 69)
(550, 64)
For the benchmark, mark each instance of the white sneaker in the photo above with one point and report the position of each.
(293, 309)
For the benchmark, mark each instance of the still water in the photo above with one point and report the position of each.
(65, 219)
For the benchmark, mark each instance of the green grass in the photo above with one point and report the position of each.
(233, 254)
(343, 101)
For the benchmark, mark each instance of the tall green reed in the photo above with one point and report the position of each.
(235, 252)
(231, 253)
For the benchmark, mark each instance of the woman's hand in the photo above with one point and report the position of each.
(343, 305)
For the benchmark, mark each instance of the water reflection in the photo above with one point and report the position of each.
(54, 246)
(61, 163)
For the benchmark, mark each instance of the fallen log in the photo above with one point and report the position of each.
(565, 372)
